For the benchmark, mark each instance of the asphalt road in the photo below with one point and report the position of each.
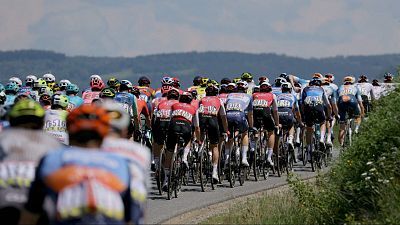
(191, 197)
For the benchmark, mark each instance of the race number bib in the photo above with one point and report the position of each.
(182, 113)
(283, 103)
(313, 100)
(209, 110)
(260, 103)
(234, 107)
(17, 174)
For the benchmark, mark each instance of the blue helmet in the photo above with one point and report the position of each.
(72, 89)
(11, 87)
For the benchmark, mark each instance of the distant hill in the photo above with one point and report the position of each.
(187, 65)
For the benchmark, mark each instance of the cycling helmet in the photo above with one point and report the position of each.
(204, 81)
(45, 99)
(225, 81)
(96, 84)
(330, 76)
(256, 89)
(27, 111)
(211, 90)
(388, 75)
(135, 91)
(11, 88)
(197, 81)
(317, 75)
(362, 79)
(40, 83)
(125, 85)
(107, 93)
(119, 118)
(30, 80)
(246, 76)
(167, 81)
(242, 85)
(315, 82)
(46, 90)
(49, 78)
(375, 82)
(186, 97)
(279, 81)
(113, 82)
(231, 87)
(176, 82)
(88, 118)
(194, 93)
(3, 97)
(284, 76)
(235, 80)
(95, 76)
(214, 82)
(143, 81)
(173, 93)
(265, 87)
(263, 79)
(63, 84)
(222, 89)
(59, 100)
(325, 81)
(286, 87)
(348, 79)
(72, 89)
(16, 80)
(22, 96)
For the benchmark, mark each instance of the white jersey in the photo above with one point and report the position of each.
(388, 87)
(334, 86)
(55, 123)
(366, 90)
(377, 90)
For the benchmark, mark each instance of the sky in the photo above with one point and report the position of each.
(303, 28)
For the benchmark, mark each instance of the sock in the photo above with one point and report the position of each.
(244, 150)
(215, 168)
(298, 135)
(329, 136)
(269, 153)
(185, 154)
(322, 137)
(290, 138)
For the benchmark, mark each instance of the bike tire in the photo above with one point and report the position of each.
(171, 178)
(160, 174)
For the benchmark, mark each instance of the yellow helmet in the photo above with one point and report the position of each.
(237, 79)
(204, 81)
(318, 75)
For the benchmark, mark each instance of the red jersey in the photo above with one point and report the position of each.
(223, 97)
(157, 101)
(263, 99)
(163, 111)
(195, 103)
(183, 111)
(210, 105)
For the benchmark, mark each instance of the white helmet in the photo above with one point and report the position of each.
(95, 76)
(286, 85)
(119, 118)
(243, 84)
(49, 78)
(30, 79)
(64, 83)
(16, 80)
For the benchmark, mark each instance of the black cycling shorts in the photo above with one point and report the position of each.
(314, 114)
(210, 125)
(262, 117)
(176, 127)
(286, 118)
(160, 130)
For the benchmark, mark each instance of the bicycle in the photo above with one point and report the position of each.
(205, 169)
(234, 163)
(287, 152)
(176, 172)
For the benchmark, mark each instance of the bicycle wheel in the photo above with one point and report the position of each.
(232, 169)
(290, 159)
(172, 177)
(255, 162)
(242, 171)
(221, 175)
(312, 153)
(277, 157)
(303, 147)
(160, 173)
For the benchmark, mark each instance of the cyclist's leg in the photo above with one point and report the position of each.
(269, 126)
(232, 123)
(213, 135)
(174, 128)
(159, 137)
(243, 130)
(342, 107)
(357, 115)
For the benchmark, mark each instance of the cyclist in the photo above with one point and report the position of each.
(248, 77)
(377, 89)
(239, 105)
(331, 78)
(103, 177)
(211, 109)
(349, 103)
(367, 95)
(142, 107)
(196, 84)
(63, 85)
(113, 83)
(276, 88)
(96, 85)
(160, 123)
(37, 86)
(263, 79)
(18, 159)
(266, 113)
(55, 119)
(74, 100)
(30, 80)
(313, 105)
(183, 116)
(331, 94)
(137, 156)
(11, 90)
(107, 93)
(388, 85)
(16, 80)
(45, 101)
(177, 84)
(146, 92)
(201, 91)
(49, 78)
(165, 81)
(129, 102)
(223, 93)
(225, 81)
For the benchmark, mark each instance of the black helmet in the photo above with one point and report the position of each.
(197, 81)
(143, 81)
(186, 97)
(225, 81)
(211, 90)
(173, 94)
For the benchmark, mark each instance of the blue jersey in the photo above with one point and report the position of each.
(276, 90)
(86, 186)
(330, 93)
(313, 96)
(287, 100)
(350, 90)
(128, 102)
(239, 102)
(75, 101)
(10, 99)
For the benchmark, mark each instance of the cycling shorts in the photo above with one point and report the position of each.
(286, 117)
(210, 125)
(176, 127)
(263, 117)
(237, 121)
(160, 130)
(314, 114)
(366, 104)
(348, 107)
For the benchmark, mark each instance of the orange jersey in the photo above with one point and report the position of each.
(142, 107)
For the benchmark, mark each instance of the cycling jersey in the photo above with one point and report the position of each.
(55, 123)
(237, 106)
(349, 96)
(210, 108)
(142, 107)
(287, 104)
(163, 110)
(157, 93)
(276, 90)
(330, 93)
(10, 99)
(302, 82)
(89, 96)
(78, 179)
(387, 88)
(162, 116)
(27, 91)
(366, 90)
(314, 101)
(250, 87)
(334, 86)
(263, 102)
(195, 103)
(351, 91)
(223, 97)
(377, 91)
(73, 102)
(184, 112)
(128, 102)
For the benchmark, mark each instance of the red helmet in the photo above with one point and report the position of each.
(96, 84)
(176, 82)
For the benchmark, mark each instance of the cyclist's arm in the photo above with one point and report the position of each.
(328, 104)
(250, 113)
(222, 114)
(296, 111)
(196, 125)
(135, 118)
(274, 108)
(360, 102)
